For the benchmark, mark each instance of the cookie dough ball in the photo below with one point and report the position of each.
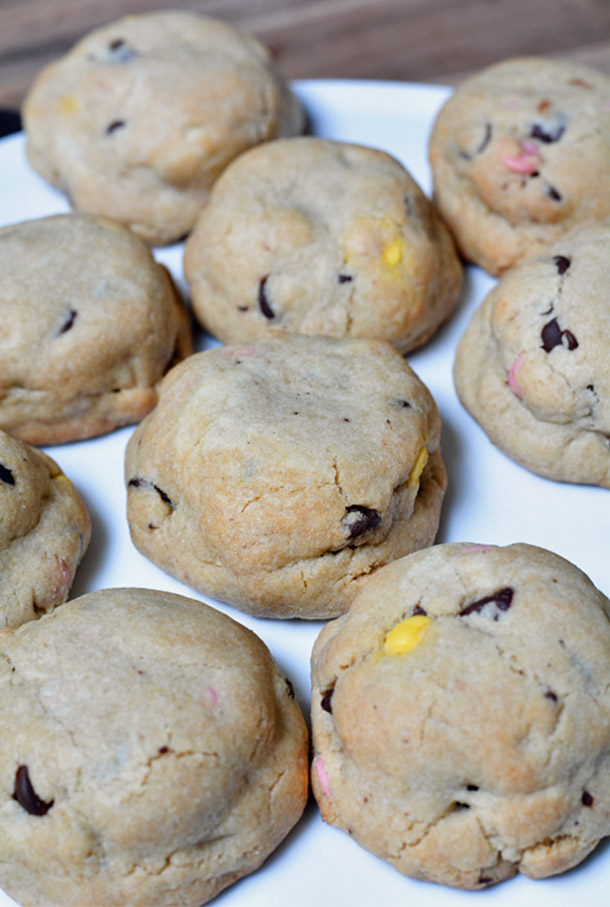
(461, 715)
(156, 753)
(44, 532)
(533, 366)
(142, 115)
(519, 155)
(90, 324)
(277, 475)
(320, 237)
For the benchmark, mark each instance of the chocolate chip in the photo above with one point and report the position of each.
(26, 796)
(469, 155)
(552, 336)
(289, 687)
(6, 475)
(164, 497)
(135, 483)
(243, 308)
(163, 750)
(472, 787)
(119, 51)
(419, 610)
(359, 520)
(548, 133)
(553, 193)
(562, 263)
(344, 278)
(587, 799)
(263, 301)
(143, 483)
(68, 323)
(502, 599)
(325, 702)
(116, 124)
(484, 880)
(550, 695)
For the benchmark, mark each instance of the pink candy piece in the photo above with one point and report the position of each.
(512, 377)
(478, 548)
(322, 776)
(521, 163)
(212, 695)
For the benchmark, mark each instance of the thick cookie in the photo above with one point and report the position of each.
(142, 115)
(519, 155)
(277, 475)
(533, 366)
(461, 715)
(156, 754)
(90, 323)
(320, 237)
(44, 532)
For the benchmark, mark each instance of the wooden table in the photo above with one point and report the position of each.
(412, 40)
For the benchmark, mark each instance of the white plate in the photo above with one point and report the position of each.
(490, 499)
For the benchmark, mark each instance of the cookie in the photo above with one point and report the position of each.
(461, 715)
(315, 236)
(90, 323)
(156, 753)
(277, 475)
(519, 155)
(533, 366)
(141, 116)
(44, 532)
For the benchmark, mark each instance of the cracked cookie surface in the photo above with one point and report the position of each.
(156, 753)
(533, 366)
(277, 475)
(90, 324)
(140, 117)
(321, 237)
(44, 532)
(519, 154)
(461, 715)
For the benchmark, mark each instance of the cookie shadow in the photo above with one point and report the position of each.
(452, 454)
(84, 579)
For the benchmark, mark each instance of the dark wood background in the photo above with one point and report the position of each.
(413, 40)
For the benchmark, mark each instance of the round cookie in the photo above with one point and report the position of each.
(142, 115)
(156, 753)
(90, 323)
(461, 715)
(277, 475)
(44, 532)
(519, 154)
(533, 366)
(320, 237)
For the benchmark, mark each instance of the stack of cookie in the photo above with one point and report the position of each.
(460, 704)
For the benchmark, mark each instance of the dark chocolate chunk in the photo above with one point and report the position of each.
(116, 124)
(484, 880)
(344, 278)
(359, 520)
(325, 702)
(548, 132)
(263, 300)
(502, 599)
(553, 193)
(419, 610)
(135, 483)
(164, 497)
(562, 263)
(550, 695)
(162, 750)
(68, 323)
(472, 787)
(143, 483)
(26, 796)
(6, 475)
(289, 687)
(587, 799)
(552, 336)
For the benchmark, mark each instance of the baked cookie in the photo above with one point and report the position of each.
(90, 323)
(44, 532)
(519, 154)
(156, 754)
(138, 120)
(321, 237)
(461, 715)
(533, 366)
(277, 475)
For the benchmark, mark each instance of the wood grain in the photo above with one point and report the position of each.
(407, 40)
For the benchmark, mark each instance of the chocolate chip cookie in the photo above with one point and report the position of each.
(519, 155)
(277, 475)
(321, 237)
(44, 532)
(461, 715)
(533, 366)
(90, 324)
(155, 753)
(141, 116)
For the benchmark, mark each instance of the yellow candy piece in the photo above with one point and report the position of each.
(406, 635)
(418, 467)
(392, 254)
